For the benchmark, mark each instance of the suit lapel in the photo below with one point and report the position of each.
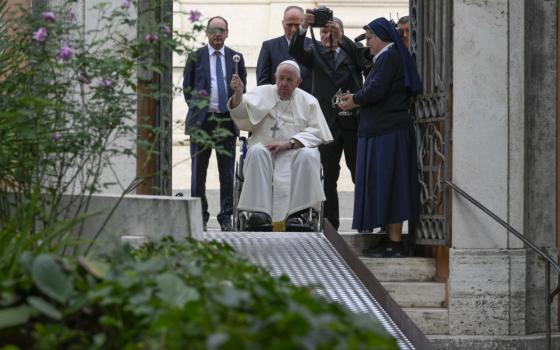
(283, 48)
(205, 62)
(229, 59)
(339, 58)
(228, 56)
(328, 58)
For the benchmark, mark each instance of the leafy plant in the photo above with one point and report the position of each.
(68, 97)
(172, 295)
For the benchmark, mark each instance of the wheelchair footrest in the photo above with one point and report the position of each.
(259, 228)
(299, 228)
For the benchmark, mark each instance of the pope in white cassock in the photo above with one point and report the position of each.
(282, 167)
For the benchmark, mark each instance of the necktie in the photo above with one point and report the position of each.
(222, 92)
(332, 58)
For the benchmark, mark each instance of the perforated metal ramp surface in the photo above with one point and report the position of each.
(310, 259)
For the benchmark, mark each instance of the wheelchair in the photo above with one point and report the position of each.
(240, 217)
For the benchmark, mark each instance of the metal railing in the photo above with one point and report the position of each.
(549, 261)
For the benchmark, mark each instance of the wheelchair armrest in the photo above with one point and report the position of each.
(243, 149)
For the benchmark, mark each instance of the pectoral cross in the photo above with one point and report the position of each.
(274, 129)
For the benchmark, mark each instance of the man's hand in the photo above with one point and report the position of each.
(309, 19)
(347, 102)
(334, 28)
(237, 87)
(278, 146)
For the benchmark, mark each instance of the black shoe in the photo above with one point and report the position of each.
(301, 221)
(258, 221)
(226, 226)
(386, 249)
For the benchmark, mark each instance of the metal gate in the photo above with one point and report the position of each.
(431, 25)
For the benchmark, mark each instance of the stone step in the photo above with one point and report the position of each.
(433, 321)
(401, 269)
(417, 294)
(360, 241)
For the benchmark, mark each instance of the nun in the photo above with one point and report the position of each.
(386, 192)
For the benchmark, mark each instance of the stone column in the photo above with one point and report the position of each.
(487, 266)
(540, 136)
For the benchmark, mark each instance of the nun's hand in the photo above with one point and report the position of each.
(347, 102)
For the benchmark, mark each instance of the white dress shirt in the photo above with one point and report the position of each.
(213, 106)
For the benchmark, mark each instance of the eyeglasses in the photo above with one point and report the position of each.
(216, 30)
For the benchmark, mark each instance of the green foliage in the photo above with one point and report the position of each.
(172, 295)
(67, 95)
(68, 100)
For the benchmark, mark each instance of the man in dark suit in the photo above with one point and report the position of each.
(275, 50)
(403, 28)
(334, 66)
(206, 89)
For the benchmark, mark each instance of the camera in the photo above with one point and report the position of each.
(322, 15)
(363, 54)
(364, 57)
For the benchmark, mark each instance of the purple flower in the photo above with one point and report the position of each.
(126, 4)
(202, 92)
(48, 16)
(106, 83)
(71, 16)
(194, 16)
(83, 78)
(165, 29)
(65, 52)
(150, 38)
(40, 35)
(56, 137)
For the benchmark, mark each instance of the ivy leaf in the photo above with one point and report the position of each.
(26, 259)
(44, 307)
(96, 268)
(232, 297)
(173, 291)
(49, 277)
(215, 340)
(15, 316)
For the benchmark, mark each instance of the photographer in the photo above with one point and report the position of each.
(334, 66)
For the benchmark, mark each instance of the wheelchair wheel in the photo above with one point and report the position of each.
(238, 223)
(237, 185)
(318, 220)
(242, 221)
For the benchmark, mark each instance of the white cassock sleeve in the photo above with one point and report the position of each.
(254, 107)
(317, 130)
(259, 102)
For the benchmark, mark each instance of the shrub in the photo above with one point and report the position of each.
(68, 97)
(172, 295)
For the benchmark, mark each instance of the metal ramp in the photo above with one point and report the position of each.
(325, 259)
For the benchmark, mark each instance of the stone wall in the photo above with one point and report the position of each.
(122, 171)
(251, 23)
(504, 155)
(109, 217)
